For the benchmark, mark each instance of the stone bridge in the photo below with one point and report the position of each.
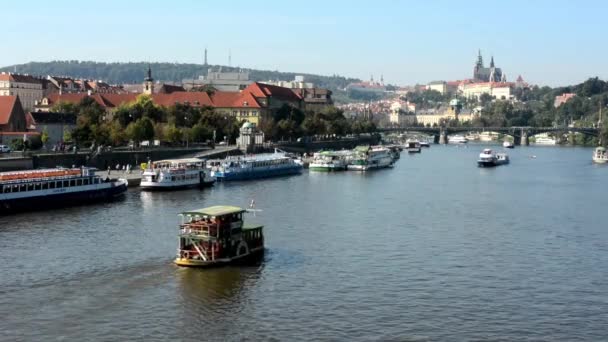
(520, 134)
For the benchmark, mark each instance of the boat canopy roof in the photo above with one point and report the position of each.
(179, 161)
(362, 148)
(601, 148)
(218, 210)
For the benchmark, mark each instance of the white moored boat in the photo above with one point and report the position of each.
(507, 144)
(600, 156)
(488, 158)
(457, 139)
(329, 161)
(176, 174)
(544, 139)
(367, 158)
(413, 146)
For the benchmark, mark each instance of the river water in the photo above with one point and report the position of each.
(434, 249)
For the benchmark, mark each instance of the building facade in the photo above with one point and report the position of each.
(53, 124)
(440, 86)
(220, 80)
(28, 88)
(497, 90)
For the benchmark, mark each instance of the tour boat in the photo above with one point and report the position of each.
(366, 158)
(457, 139)
(425, 144)
(600, 156)
(413, 146)
(176, 174)
(41, 189)
(544, 139)
(329, 161)
(255, 166)
(488, 158)
(507, 144)
(216, 236)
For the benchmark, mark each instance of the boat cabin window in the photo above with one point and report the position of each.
(45, 186)
(52, 185)
(38, 186)
(96, 180)
(79, 182)
(30, 187)
(22, 187)
(60, 184)
(72, 182)
(85, 181)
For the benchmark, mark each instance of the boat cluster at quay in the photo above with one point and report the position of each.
(214, 235)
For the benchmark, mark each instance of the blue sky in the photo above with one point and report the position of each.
(547, 42)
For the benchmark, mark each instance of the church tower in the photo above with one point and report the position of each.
(478, 66)
(149, 82)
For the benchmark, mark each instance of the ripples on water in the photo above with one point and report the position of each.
(432, 250)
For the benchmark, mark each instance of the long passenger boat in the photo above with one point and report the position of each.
(216, 236)
(255, 166)
(330, 161)
(176, 174)
(41, 189)
(367, 158)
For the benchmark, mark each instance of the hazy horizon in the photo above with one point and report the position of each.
(549, 43)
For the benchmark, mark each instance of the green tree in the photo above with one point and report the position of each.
(140, 130)
(201, 133)
(44, 136)
(65, 107)
(118, 136)
(173, 134)
(35, 142)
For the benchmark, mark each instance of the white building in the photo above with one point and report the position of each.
(440, 86)
(28, 88)
(220, 80)
(400, 114)
(497, 90)
(299, 82)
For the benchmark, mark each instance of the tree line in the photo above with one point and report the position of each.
(181, 124)
(119, 73)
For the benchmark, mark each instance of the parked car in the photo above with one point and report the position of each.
(5, 149)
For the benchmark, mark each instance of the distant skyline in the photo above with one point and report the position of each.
(552, 43)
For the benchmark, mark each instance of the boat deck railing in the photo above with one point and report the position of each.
(199, 229)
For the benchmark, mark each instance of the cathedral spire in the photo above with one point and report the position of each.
(479, 63)
(492, 62)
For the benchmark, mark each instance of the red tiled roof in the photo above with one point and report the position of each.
(220, 99)
(6, 108)
(19, 78)
(198, 98)
(266, 90)
(115, 100)
(225, 99)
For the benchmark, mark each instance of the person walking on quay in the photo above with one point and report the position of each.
(109, 169)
